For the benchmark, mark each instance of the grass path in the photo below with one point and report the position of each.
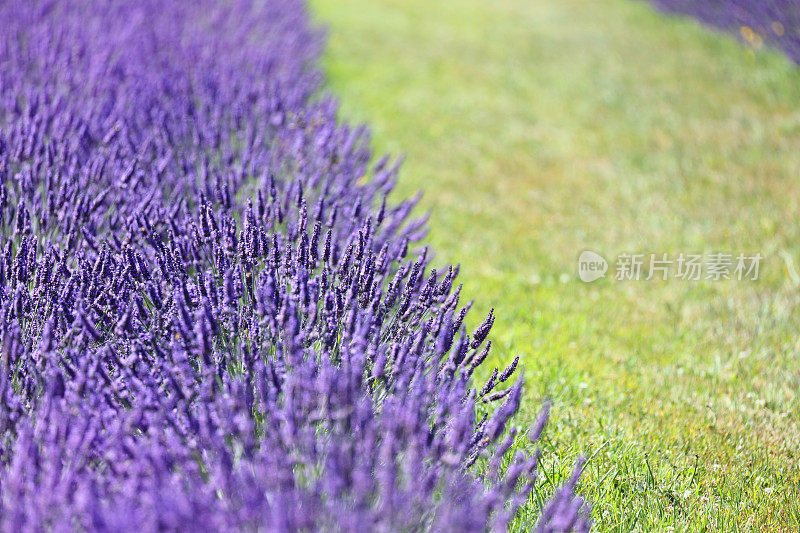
(538, 129)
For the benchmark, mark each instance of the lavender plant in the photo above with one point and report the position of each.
(211, 316)
(774, 21)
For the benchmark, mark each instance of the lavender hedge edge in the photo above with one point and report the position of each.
(774, 21)
(211, 317)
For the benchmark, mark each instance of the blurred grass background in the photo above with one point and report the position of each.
(538, 129)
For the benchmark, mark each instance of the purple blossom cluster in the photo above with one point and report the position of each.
(211, 318)
(773, 21)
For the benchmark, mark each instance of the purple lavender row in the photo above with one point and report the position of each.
(773, 21)
(211, 318)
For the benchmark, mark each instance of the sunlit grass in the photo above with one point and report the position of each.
(541, 128)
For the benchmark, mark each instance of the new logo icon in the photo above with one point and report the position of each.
(591, 266)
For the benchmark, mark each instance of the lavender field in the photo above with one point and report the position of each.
(212, 317)
(540, 129)
(775, 22)
(222, 308)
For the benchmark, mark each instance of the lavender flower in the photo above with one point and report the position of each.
(177, 351)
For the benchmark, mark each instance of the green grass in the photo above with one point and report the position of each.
(538, 129)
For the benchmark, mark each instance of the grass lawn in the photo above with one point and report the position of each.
(538, 129)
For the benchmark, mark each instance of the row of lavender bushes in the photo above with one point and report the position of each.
(211, 317)
(757, 21)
